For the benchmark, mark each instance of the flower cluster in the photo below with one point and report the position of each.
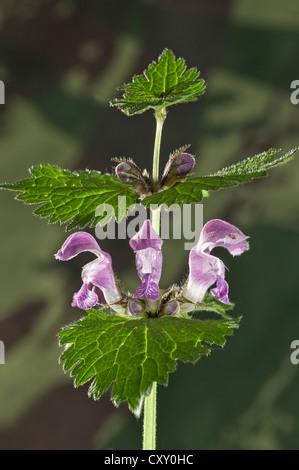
(100, 285)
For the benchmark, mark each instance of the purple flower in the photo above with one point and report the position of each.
(206, 269)
(99, 283)
(147, 246)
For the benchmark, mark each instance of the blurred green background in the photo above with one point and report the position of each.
(60, 62)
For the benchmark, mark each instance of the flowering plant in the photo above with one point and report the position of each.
(134, 341)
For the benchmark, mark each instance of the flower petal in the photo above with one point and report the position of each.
(220, 292)
(203, 272)
(100, 273)
(220, 233)
(77, 243)
(149, 267)
(85, 298)
(146, 238)
(147, 246)
(148, 288)
(149, 261)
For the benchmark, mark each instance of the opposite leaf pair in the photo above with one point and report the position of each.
(101, 287)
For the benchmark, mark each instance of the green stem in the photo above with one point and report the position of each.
(149, 419)
(160, 118)
(150, 401)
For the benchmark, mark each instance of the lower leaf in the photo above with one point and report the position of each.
(131, 354)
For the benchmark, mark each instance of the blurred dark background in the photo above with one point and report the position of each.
(61, 62)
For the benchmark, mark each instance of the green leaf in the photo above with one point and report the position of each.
(192, 190)
(253, 167)
(73, 197)
(209, 304)
(131, 354)
(185, 192)
(164, 83)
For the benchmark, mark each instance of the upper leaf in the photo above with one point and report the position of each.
(163, 83)
(255, 167)
(192, 190)
(131, 354)
(73, 197)
(185, 192)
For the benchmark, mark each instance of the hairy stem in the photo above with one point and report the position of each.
(149, 419)
(150, 401)
(160, 118)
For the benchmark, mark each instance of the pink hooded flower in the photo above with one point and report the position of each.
(206, 269)
(99, 283)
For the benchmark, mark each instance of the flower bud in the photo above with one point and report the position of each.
(128, 172)
(135, 307)
(178, 167)
(171, 308)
